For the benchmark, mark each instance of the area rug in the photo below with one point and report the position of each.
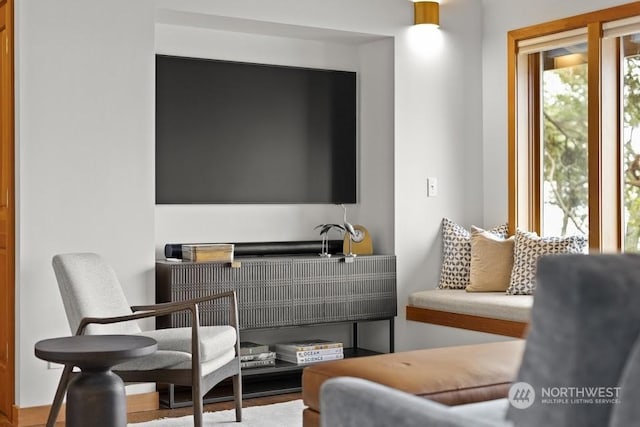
(287, 414)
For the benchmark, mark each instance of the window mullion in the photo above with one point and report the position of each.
(514, 196)
(604, 146)
(611, 146)
(534, 139)
(594, 136)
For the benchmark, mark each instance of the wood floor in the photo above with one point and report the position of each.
(138, 417)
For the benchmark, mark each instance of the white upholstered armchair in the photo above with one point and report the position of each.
(196, 356)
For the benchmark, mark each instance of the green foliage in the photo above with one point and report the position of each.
(565, 129)
(631, 184)
(565, 143)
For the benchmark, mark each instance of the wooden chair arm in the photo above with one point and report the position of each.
(163, 309)
(180, 304)
(155, 310)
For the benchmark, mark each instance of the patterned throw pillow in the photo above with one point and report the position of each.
(528, 248)
(456, 254)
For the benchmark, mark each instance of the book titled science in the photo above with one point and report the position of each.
(303, 360)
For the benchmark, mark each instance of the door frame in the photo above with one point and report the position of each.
(7, 233)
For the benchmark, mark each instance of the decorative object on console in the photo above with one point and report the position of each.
(528, 248)
(356, 235)
(214, 252)
(359, 245)
(456, 254)
(491, 261)
(356, 241)
(324, 231)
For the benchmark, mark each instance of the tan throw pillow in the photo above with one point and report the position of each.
(491, 261)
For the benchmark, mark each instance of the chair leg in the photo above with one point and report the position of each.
(196, 397)
(237, 396)
(60, 392)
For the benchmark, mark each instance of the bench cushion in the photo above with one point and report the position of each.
(450, 375)
(496, 305)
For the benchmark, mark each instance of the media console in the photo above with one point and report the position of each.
(284, 291)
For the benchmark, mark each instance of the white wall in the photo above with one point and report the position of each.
(84, 132)
(501, 16)
(438, 133)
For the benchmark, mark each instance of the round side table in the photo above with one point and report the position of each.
(96, 396)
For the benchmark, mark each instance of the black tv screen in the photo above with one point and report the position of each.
(231, 132)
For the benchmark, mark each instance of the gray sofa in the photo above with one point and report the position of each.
(581, 363)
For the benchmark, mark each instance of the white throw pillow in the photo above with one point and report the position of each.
(456, 254)
(528, 248)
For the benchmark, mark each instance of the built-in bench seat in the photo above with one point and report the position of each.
(493, 312)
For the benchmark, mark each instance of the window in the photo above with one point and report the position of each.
(563, 141)
(574, 128)
(631, 142)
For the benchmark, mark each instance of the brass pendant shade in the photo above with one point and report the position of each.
(427, 12)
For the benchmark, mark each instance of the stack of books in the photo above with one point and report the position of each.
(253, 355)
(310, 351)
(217, 252)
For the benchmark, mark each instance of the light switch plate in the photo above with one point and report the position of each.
(432, 186)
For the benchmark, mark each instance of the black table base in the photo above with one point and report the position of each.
(96, 399)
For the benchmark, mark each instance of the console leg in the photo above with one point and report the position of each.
(355, 335)
(392, 338)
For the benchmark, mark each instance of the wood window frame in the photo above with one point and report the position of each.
(603, 111)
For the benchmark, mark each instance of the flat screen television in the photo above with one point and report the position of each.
(232, 132)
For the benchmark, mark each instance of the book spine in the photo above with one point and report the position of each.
(246, 351)
(199, 257)
(311, 359)
(294, 348)
(258, 363)
(259, 356)
(305, 353)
